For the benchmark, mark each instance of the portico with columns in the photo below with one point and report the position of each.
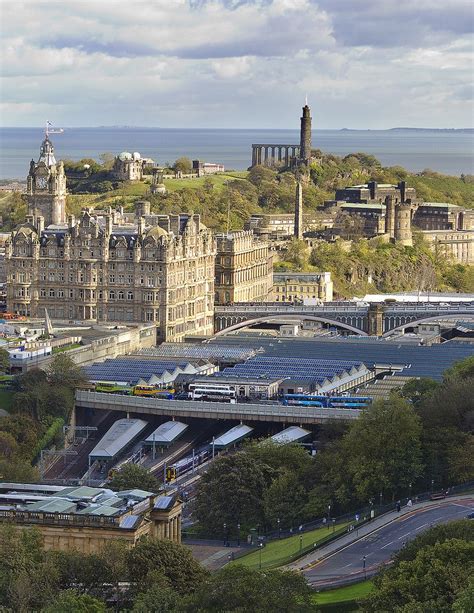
(166, 518)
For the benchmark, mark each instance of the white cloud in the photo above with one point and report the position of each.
(231, 63)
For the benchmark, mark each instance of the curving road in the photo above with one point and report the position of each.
(379, 546)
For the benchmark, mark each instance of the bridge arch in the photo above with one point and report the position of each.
(405, 322)
(285, 319)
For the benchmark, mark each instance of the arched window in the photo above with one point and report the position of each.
(130, 296)
(121, 295)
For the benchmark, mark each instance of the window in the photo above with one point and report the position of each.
(130, 296)
(121, 295)
(112, 295)
(51, 293)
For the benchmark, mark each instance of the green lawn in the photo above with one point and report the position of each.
(276, 553)
(343, 594)
(219, 180)
(6, 398)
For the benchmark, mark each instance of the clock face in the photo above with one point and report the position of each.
(41, 182)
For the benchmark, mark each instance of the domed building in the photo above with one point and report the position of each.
(128, 166)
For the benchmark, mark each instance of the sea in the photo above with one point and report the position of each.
(447, 152)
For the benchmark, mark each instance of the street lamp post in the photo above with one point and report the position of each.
(381, 496)
(238, 535)
(334, 524)
(432, 485)
(260, 546)
(301, 543)
(279, 528)
(363, 563)
(225, 534)
(329, 512)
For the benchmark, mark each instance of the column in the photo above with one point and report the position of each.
(253, 155)
(266, 155)
(279, 153)
(287, 158)
(273, 155)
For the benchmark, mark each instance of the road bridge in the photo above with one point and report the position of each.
(375, 319)
(211, 410)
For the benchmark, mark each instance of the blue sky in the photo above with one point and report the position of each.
(231, 63)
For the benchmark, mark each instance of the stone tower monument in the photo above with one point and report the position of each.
(299, 211)
(305, 135)
(402, 231)
(46, 187)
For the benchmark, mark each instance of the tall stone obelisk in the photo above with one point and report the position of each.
(299, 211)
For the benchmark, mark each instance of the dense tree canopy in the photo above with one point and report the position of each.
(237, 588)
(133, 476)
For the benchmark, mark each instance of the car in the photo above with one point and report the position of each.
(470, 515)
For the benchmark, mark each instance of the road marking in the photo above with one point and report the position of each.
(387, 545)
(404, 535)
(420, 527)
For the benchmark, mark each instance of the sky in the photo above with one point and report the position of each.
(237, 63)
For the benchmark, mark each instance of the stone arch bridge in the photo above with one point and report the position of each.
(375, 319)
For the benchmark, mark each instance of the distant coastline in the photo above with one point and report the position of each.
(119, 127)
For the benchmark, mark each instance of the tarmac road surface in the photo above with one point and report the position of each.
(379, 546)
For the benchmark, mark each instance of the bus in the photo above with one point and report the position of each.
(306, 400)
(208, 392)
(333, 402)
(349, 402)
(153, 392)
(113, 388)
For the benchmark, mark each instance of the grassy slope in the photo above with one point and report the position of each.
(344, 594)
(279, 550)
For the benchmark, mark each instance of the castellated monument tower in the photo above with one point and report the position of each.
(402, 232)
(305, 135)
(46, 187)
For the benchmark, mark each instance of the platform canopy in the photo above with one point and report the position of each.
(119, 436)
(166, 434)
(293, 434)
(232, 436)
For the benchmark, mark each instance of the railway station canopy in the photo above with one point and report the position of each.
(293, 434)
(166, 434)
(232, 436)
(117, 438)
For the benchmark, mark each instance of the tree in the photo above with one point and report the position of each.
(429, 582)
(231, 492)
(64, 372)
(414, 390)
(158, 598)
(133, 476)
(463, 369)
(297, 254)
(237, 588)
(71, 601)
(4, 361)
(383, 449)
(183, 165)
(28, 579)
(175, 562)
(285, 500)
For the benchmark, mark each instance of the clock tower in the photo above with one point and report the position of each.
(46, 187)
